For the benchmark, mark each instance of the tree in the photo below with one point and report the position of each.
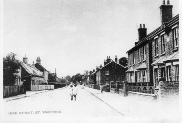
(10, 69)
(123, 61)
(68, 78)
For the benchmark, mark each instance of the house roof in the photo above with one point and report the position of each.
(130, 69)
(173, 57)
(41, 66)
(156, 32)
(31, 69)
(142, 66)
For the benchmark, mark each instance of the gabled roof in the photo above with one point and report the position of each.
(41, 66)
(115, 63)
(156, 32)
(31, 69)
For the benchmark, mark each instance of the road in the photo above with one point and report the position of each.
(56, 106)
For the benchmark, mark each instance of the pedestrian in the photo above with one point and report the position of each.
(101, 88)
(71, 91)
(75, 90)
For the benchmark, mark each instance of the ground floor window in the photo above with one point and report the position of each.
(156, 76)
(176, 72)
(163, 72)
(143, 75)
(130, 77)
(168, 73)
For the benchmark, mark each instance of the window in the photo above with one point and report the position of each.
(156, 47)
(162, 44)
(138, 76)
(107, 72)
(163, 72)
(156, 76)
(175, 38)
(168, 73)
(138, 55)
(144, 53)
(177, 73)
(143, 76)
(141, 54)
(133, 57)
(130, 77)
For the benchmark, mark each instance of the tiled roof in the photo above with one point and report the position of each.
(174, 56)
(31, 69)
(156, 32)
(142, 66)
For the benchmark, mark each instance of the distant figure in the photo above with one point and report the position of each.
(101, 88)
(75, 89)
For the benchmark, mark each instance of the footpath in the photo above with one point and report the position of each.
(28, 94)
(136, 106)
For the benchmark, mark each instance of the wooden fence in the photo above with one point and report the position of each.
(41, 87)
(9, 91)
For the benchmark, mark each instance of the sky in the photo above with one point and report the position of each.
(76, 35)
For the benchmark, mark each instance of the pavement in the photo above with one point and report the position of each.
(137, 107)
(28, 94)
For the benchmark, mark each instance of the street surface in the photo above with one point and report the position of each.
(56, 105)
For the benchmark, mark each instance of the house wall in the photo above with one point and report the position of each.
(116, 73)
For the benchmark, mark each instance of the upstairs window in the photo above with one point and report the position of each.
(156, 47)
(138, 55)
(134, 57)
(175, 38)
(144, 53)
(107, 72)
(162, 44)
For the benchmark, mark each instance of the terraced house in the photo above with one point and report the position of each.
(155, 55)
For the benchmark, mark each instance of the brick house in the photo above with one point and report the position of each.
(111, 72)
(30, 75)
(39, 66)
(155, 55)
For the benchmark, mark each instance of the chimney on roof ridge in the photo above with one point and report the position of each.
(25, 59)
(116, 59)
(166, 12)
(142, 32)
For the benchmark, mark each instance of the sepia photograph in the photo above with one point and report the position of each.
(90, 61)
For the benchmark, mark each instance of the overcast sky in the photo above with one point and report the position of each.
(76, 35)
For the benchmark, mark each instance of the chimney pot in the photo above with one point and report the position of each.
(168, 2)
(164, 2)
(143, 25)
(140, 25)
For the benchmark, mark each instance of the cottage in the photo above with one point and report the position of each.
(30, 75)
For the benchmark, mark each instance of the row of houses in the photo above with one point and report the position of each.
(154, 57)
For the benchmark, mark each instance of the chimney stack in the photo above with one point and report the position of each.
(25, 59)
(105, 62)
(166, 12)
(142, 32)
(116, 59)
(38, 60)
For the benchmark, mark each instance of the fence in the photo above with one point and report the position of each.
(9, 91)
(41, 87)
(142, 87)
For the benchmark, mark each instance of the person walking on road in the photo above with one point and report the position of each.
(101, 88)
(71, 91)
(75, 90)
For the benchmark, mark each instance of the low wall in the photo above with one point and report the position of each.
(9, 91)
(41, 87)
(168, 91)
(143, 96)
